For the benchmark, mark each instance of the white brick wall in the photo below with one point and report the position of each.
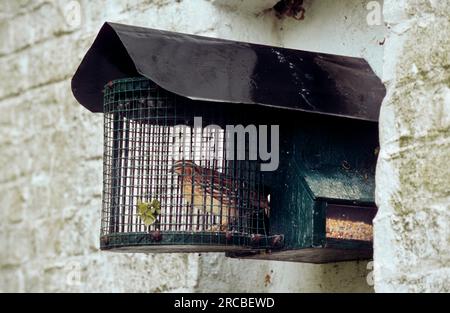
(412, 233)
(51, 148)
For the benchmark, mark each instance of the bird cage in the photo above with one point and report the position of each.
(174, 183)
(169, 182)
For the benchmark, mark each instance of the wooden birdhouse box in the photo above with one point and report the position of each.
(213, 145)
(322, 195)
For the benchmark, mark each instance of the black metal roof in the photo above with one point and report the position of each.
(220, 70)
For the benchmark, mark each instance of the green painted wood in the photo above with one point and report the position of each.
(322, 160)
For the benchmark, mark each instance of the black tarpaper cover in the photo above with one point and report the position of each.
(238, 73)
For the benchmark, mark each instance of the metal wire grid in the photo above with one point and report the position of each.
(153, 153)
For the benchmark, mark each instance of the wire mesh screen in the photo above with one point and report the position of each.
(170, 181)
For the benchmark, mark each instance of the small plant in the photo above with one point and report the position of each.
(149, 211)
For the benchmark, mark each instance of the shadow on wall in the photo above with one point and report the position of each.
(219, 274)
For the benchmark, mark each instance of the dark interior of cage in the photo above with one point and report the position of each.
(166, 170)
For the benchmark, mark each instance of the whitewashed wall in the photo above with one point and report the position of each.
(51, 148)
(412, 233)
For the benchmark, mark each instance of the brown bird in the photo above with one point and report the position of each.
(210, 192)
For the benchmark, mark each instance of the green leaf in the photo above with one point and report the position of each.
(142, 207)
(156, 207)
(148, 219)
(145, 213)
